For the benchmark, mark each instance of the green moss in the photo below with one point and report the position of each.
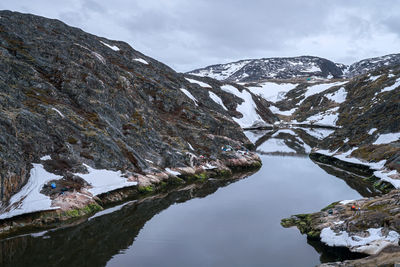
(224, 173)
(313, 234)
(146, 189)
(88, 209)
(330, 206)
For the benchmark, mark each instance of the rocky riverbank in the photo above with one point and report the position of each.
(369, 225)
(75, 206)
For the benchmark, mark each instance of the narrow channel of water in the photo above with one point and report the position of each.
(221, 223)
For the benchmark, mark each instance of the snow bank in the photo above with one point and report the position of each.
(392, 87)
(374, 242)
(113, 47)
(103, 181)
(188, 94)
(374, 78)
(202, 84)
(316, 89)
(59, 113)
(387, 138)
(272, 91)
(285, 112)
(172, 172)
(371, 131)
(318, 133)
(29, 199)
(312, 68)
(275, 145)
(339, 96)
(217, 99)
(325, 118)
(227, 70)
(247, 108)
(141, 60)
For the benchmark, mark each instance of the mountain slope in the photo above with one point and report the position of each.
(92, 115)
(273, 68)
(372, 64)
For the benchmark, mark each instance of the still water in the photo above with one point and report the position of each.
(219, 223)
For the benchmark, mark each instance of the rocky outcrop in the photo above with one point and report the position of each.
(81, 115)
(369, 225)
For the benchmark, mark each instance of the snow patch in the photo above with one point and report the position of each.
(374, 242)
(59, 113)
(99, 57)
(372, 131)
(339, 96)
(275, 145)
(272, 91)
(141, 60)
(103, 181)
(29, 199)
(316, 89)
(47, 157)
(202, 84)
(217, 99)
(374, 78)
(392, 87)
(387, 138)
(188, 94)
(113, 47)
(172, 172)
(247, 108)
(325, 118)
(318, 133)
(347, 201)
(313, 68)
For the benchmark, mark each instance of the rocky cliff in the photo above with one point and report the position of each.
(81, 113)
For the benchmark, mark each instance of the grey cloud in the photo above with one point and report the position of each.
(188, 34)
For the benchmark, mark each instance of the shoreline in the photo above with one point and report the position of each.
(77, 209)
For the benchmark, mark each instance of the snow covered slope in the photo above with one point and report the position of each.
(273, 68)
(371, 64)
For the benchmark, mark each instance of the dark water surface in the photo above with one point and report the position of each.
(239, 225)
(220, 223)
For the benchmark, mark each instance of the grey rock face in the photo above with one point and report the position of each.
(84, 99)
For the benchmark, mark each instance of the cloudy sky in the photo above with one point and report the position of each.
(189, 34)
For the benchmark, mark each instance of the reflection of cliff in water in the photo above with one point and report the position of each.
(363, 187)
(94, 242)
(287, 142)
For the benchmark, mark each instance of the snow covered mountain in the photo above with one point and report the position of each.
(371, 64)
(255, 70)
(273, 68)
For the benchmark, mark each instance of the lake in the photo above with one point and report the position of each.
(230, 222)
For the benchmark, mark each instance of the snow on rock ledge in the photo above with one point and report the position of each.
(29, 199)
(371, 242)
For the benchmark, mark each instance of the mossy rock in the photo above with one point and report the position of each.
(330, 206)
(88, 209)
(146, 189)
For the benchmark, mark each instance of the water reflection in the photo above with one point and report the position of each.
(289, 142)
(94, 242)
(238, 225)
(299, 142)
